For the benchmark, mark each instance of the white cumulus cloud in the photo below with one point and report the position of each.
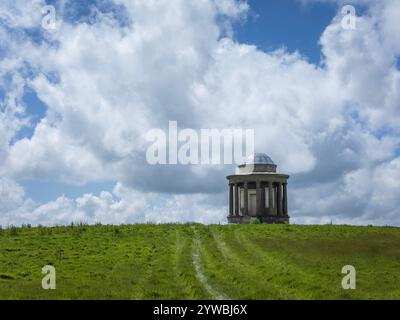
(332, 126)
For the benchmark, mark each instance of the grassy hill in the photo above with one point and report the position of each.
(194, 261)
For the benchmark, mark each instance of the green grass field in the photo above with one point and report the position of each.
(193, 261)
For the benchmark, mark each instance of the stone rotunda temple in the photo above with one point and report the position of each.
(257, 190)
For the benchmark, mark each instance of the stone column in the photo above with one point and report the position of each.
(270, 198)
(230, 199)
(236, 199)
(258, 198)
(262, 210)
(279, 199)
(246, 199)
(284, 200)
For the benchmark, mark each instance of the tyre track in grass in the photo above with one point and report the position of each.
(243, 265)
(297, 272)
(186, 278)
(201, 277)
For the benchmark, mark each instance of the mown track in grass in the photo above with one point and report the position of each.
(199, 266)
(195, 261)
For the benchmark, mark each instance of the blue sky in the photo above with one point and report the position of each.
(287, 23)
(271, 25)
(77, 101)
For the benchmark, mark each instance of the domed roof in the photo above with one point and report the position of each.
(259, 158)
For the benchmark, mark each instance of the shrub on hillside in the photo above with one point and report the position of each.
(13, 230)
(255, 220)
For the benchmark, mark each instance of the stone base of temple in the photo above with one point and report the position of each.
(263, 219)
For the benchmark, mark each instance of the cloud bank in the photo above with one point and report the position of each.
(110, 74)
